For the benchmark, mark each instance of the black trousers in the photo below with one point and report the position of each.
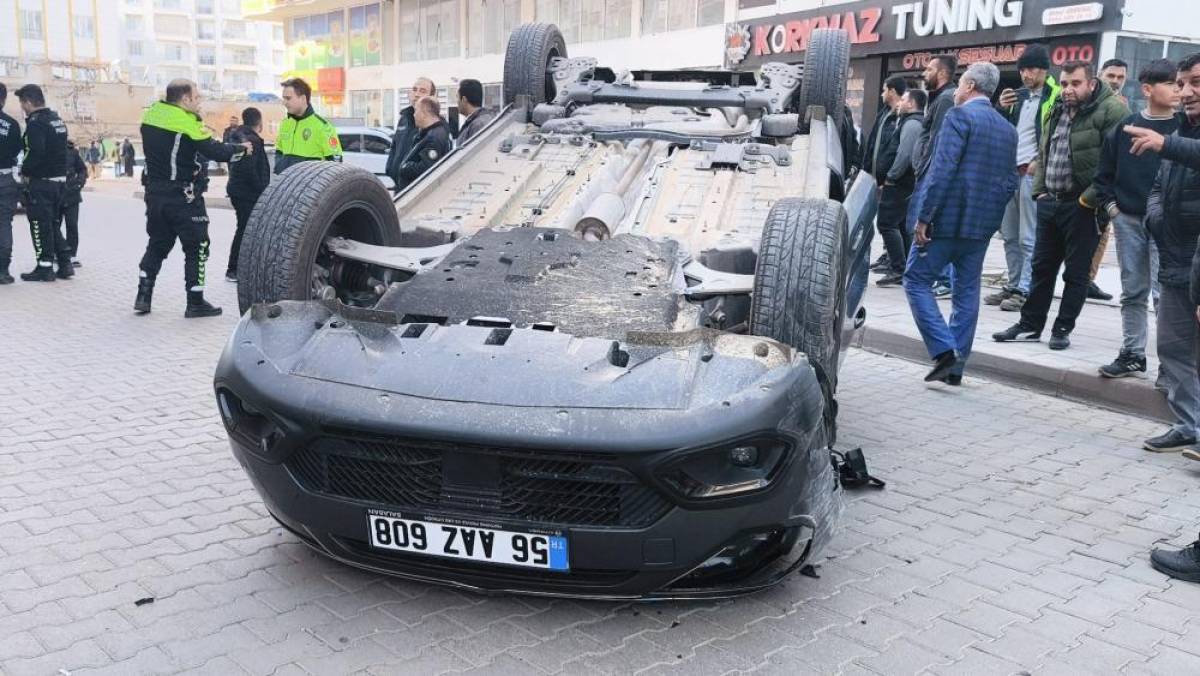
(69, 219)
(1066, 236)
(242, 206)
(43, 206)
(893, 208)
(171, 218)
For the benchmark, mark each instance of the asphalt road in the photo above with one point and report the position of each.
(1012, 535)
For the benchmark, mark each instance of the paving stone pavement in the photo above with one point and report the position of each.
(1012, 536)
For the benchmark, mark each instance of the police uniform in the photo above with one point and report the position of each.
(45, 170)
(305, 138)
(177, 149)
(432, 144)
(10, 147)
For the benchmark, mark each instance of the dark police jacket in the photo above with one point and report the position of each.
(1173, 211)
(402, 143)
(76, 177)
(430, 145)
(176, 142)
(10, 141)
(249, 176)
(45, 145)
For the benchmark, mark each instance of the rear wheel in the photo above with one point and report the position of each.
(284, 255)
(531, 47)
(798, 297)
(826, 65)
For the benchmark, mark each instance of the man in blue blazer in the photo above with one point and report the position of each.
(971, 178)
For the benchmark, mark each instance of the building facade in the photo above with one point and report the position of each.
(363, 56)
(898, 37)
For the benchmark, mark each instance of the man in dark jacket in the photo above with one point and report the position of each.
(406, 129)
(470, 103)
(10, 148)
(1027, 109)
(45, 171)
(939, 83)
(77, 174)
(899, 180)
(1123, 183)
(1067, 206)
(1173, 218)
(248, 179)
(876, 141)
(430, 145)
(178, 148)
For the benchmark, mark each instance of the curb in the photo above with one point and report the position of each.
(1132, 396)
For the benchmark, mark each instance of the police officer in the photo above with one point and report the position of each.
(430, 145)
(406, 128)
(303, 135)
(77, 175)
(177, 147)
(10, 147)
(45, 172)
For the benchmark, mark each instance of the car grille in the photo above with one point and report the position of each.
(560, 489)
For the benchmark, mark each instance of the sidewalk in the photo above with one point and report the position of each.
(1070, 374)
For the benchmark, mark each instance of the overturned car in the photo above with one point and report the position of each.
(592, 353)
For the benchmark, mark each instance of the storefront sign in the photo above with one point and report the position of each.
(891, 26)
(1058, 16)
(1061, 51)
(936, 17)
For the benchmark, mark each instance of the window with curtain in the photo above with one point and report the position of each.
(588, 20)
(429, 29)
(31, 24)
(488, 25)
(661, 16)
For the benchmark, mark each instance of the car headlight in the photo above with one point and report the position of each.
(730, 469)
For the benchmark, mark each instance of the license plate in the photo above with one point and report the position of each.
(474, 543)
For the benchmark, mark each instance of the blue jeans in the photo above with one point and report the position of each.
(1138, 258)
(1019, 231)
(910, 222)
(964, 257)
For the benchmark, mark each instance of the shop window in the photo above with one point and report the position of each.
(489, 24)
(588, 20)
(660, 16)
(1137, 52)
(429, 29)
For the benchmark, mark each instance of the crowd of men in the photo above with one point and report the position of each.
(177, 148)
(1053, 167)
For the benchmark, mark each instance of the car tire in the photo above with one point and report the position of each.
(825, 68)
(295, 214)
(798, 293)
(527, 61)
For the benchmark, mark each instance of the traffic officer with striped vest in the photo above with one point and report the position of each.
(303, 135)
(177, 147)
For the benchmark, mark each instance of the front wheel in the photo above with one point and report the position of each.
(284, 255)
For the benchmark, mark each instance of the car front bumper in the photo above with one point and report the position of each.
(333, 413)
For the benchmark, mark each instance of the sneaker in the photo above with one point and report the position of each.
(998, 297)
(1192, 454)
(1060, 341)
(1013, 303)
(231, 277)
(1173, 440)
(882, 264)
(1125, 364)
(942, 291)
(1181, 565)
(1017, 334)
(1096, 293)
(890, 279)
